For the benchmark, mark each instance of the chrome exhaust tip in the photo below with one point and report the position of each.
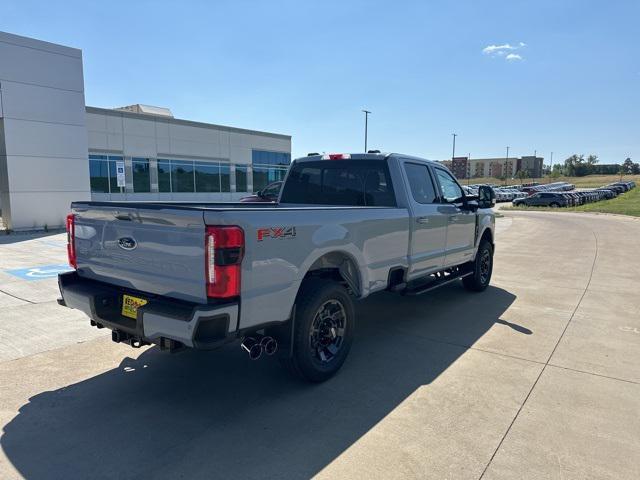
(269, 345)
(252, 347)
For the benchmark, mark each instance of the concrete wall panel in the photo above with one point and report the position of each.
(139, 127)
(138, 146)
(98, 140)
(44, 104)
(115, 141)
(96, 122)
(34, 174)
(195, 149)
(34, 138)
(162, 128)
(194, 134)
(45, 131)
(31, 210)
(114, 124)
(39, 67)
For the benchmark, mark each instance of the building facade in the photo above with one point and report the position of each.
(55, 150)
(169, 159)
(465, 167)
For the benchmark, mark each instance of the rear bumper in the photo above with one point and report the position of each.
(193, 325)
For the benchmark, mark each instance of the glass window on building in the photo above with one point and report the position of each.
(141, 177)
(182, 176)
(164, 176)
(241, 179)
(225, 177)
(207, 177)
(99, 173)
(268, 167)
(263, 157)
(102, 173)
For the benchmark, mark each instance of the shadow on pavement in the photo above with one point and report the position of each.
(17, 237)
(217, 414)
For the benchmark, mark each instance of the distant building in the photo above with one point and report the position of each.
(446, 163)
(465, 167)
(532, 165)
(459, 167)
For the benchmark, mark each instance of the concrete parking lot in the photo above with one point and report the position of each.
(537, 377)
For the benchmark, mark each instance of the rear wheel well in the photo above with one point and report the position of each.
(337, 266)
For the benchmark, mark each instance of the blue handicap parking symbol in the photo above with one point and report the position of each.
(40, 272)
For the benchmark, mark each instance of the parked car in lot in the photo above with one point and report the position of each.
(267, 194)
(626, 186)
(346, 226)
(542, 199)
(608, 192)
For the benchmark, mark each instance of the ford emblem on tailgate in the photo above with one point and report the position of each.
(127, 243)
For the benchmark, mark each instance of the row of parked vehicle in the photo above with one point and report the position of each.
(516, 192)
(503, 194)
(574, 198)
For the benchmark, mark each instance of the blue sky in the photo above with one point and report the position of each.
(307, 68)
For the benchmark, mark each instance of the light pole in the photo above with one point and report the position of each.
(469, 163)
(453, 154)
(506, 162)
(551, 167)
(366, 127)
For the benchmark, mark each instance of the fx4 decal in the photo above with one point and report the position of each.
(276, 232)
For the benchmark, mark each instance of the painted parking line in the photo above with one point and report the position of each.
(40, 272)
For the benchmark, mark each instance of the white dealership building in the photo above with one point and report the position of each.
(55, 150)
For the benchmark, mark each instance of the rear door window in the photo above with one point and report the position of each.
(339, 182)
(420, 183)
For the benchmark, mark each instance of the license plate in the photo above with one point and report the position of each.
(131, 304)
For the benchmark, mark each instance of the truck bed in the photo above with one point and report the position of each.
(282, 242)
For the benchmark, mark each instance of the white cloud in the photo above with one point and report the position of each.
(497, 49)
(506, 51)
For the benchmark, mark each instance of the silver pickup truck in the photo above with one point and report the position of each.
(279, 277)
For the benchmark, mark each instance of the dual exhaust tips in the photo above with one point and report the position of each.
(257, 344)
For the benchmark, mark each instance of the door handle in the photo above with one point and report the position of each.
(422, 220)
(453, 218)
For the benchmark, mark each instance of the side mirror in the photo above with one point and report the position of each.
(260, 194)
(486, 197)
(471, 205)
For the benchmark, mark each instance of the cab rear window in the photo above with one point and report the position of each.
(339, 182)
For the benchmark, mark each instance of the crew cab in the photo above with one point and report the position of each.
(278, 277)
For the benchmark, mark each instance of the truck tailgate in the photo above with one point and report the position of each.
(158, 250)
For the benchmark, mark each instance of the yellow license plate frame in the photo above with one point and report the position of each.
(131, 304)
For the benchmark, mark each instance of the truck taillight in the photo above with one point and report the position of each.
(336, 156)
(71, 240)
(224, 248)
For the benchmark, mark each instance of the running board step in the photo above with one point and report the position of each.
(420, 287)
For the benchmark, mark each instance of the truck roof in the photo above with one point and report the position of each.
(361, 156)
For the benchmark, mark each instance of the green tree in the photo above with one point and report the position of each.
(570, 165)
(578, 166)
(629, 167)
(522, 174)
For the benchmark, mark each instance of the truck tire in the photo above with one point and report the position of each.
(323, 330)
(482, 268)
